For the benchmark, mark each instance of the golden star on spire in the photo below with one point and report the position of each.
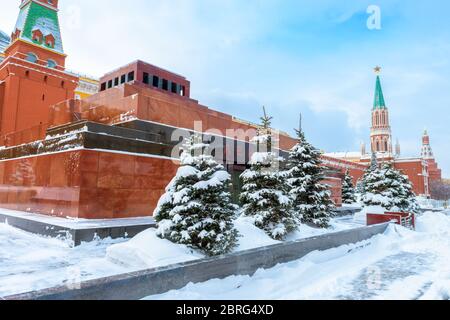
(377, 70)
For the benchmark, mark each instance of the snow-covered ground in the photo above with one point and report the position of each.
(29, 262)
(400, 264)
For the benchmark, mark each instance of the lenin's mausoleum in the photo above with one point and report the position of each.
(67, 152)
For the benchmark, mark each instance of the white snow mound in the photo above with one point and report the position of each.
(147, 250)
(251, 237)
(433, 222)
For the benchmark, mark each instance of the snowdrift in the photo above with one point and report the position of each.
(251, 237)
(433, 222)
(147, 250)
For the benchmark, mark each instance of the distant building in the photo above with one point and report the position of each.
(87, 86)
(4, 42)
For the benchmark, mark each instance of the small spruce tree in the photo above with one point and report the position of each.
(360, 186)
(373, 162)
(348, 190)
(403, 197)
(265, 193)
(311, 199)
(197, 209)
(374, 188)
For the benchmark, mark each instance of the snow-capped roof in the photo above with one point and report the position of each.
(44, 31)
(412, 159)
(344, 154)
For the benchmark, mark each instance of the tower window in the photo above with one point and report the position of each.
(110, 84)
(155, 81)
(62, 84)
(123, 79)
(145, 78)
(31, 57)
(183, 91)
(131, 76)
(51, 64)
(116, 81)
(103, 86)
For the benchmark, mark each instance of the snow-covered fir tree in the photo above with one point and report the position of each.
(374, 190)
(312, 202)
(265, 195)
(388, 188)
(197, 209)
(360, 186)
(348, 189)
(373, 162)
(404, 199)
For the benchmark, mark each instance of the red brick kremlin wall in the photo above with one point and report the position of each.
(434, 171)
(414, 170)
(335, 185)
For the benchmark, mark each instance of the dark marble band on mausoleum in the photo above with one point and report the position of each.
(136, 136)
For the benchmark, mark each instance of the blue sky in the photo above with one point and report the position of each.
(313, 57)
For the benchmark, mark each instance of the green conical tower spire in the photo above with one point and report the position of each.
(379, 102)
(38, 23)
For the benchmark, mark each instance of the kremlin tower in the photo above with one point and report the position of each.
(380, 132)
(32, 74)
(421, 171)
(427, 152)
(427, 155)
